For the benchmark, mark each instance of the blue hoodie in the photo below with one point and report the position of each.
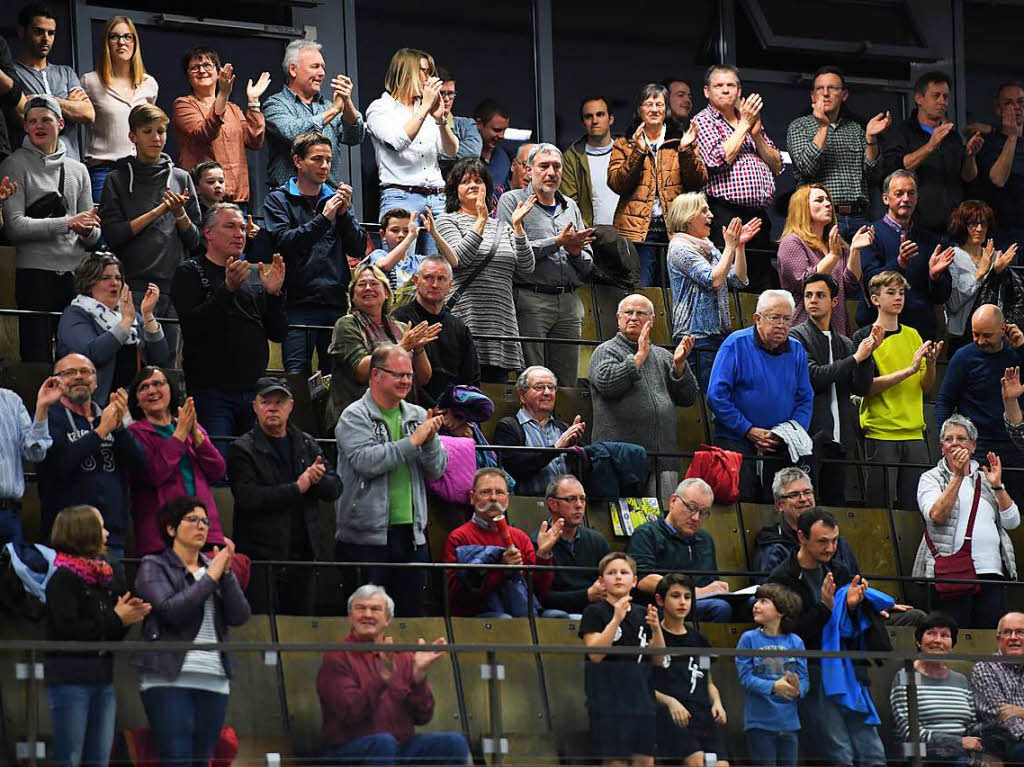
(764, 710)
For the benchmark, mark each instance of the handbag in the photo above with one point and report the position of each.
(959, 565)
(720, 469)
(460, 291)
(51, 204)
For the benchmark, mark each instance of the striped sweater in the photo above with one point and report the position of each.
(945, 708)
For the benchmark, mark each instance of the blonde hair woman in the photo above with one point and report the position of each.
(119, 84)
(700, 276)
(409, 132)
(811, 243)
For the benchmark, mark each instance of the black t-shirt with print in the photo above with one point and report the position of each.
(632, 632)
(682, 677)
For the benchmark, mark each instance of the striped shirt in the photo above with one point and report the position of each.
(841, 165)
(20, 438)
(747, 180)
(945, 707)
(204, 661)
(540, 436)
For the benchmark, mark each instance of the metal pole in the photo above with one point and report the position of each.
(494, 695)
(915, 756)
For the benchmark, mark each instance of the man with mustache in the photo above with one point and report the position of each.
(37, 29)
(469, 590)
(387, 449)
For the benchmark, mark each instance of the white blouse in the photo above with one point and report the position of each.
(401, 160)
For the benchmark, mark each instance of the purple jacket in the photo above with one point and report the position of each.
(178, 599)
(162, 481)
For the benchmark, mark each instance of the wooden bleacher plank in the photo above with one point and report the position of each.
(254, 707)
(723, 525)
(661, 331)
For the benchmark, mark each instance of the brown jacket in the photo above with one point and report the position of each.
(635, 175)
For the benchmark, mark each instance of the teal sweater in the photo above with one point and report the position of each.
(659, 549)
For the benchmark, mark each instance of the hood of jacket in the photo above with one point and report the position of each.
(771, 535)
(147, 173)
(55, 157)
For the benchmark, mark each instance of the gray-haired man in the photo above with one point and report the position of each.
(546, 305)
(300, 106)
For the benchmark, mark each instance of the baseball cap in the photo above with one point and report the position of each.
(268, 384)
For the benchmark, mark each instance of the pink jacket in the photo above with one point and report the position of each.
(163, 482)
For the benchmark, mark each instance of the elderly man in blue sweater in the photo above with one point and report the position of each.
(972, 388)
(913, 251)
(760, 380)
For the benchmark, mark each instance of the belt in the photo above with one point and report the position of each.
(424, 190)
(551, 290)
(10, 504)
(852, 209)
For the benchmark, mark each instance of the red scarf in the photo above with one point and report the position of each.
(96, 572)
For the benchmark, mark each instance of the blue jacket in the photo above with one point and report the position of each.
(314, 248)
(78, 332)
(615, 469)
(919, 304)
(752, 387)
(764, 710)
(845, 631)
(971, 388)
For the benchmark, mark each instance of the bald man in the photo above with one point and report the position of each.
(92, 454)
(521, 175)
(971, 387)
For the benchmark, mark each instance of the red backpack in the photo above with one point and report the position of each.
(720, 469)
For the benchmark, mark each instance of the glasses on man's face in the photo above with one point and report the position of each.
(195, 519)
(396, 374)
(76, 373)
(777, 319)
(127, 37)
(541, 388)
(695, 510)
(808, 493)
(573, 499)
(208, 66)
(635, 313)
(1012, 633)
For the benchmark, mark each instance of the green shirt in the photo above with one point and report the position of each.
(399, 480)
(185, 465)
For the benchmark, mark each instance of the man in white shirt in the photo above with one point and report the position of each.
(585, 174)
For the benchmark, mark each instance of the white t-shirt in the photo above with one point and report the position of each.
(834, 398)
(603, 199)
(985, 541)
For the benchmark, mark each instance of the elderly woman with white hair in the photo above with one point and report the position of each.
(700, 275)
(635, 387)
(648, 170)
(300, 106)
(760, 381)
(967, 511)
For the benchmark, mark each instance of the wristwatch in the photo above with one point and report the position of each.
(998, 487)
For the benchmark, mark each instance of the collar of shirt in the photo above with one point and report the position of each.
(293, 189)
(782, 348)
(926, 128)
(311, 106)
(479, 521)
(560, 203)
(571, 543)
(896, 225)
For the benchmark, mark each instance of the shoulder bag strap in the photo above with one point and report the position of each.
(970, 522)
(461, 290)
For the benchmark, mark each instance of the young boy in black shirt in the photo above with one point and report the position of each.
(689, 704)
(620, 693)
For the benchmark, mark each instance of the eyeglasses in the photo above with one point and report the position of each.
(76, 373)
(777, 319)
(447, 94)
(635, 313)
(195, 519)
(209, 66)
(958, 440)
(543, 387)
(808, 493)
(396, 374)
(977, 224)
(829, 88)
(127, 37)
(570, 498)
(1012, 633)
(695, 511)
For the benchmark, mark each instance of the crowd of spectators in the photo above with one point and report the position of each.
(474, 279)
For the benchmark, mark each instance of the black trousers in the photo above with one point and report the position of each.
(44, 291)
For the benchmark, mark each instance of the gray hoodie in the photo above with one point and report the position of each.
(366, 457)
(46, 243)
(134, 188)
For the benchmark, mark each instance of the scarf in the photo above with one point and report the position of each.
(700, 244)
(388, 332)
(104, 316)
(94, 571)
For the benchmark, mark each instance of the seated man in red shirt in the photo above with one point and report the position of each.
(371, 701)
(487, 538)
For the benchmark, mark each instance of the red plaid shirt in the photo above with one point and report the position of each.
(748, 180)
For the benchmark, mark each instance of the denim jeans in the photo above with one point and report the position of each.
(773, 748)
(383, 749)
(712, 610)
(97, 176)
(83, 723)
(224, 414)
(186, 724)
(848, 225)
(297, 349)
(415, 204)
(10, 527)
(841, 737)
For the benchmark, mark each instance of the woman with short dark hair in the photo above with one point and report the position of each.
(180, 457)
(87, 599)
(102, 324)
(195, 599)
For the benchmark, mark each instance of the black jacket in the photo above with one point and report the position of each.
(814, 614)
(849, 377)
(267, 496)
(522, 465)
(453, 357)
(939, 188)
(84, 612)
(774, 543)
(313, 247)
